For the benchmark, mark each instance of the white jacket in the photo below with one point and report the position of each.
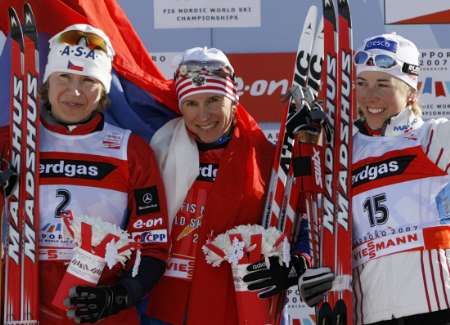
(401, 220)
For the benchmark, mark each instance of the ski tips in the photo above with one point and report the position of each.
(15, 27)
(328, 10)
(310, 20)
(344, 10)
(29, 25)
(327, 4)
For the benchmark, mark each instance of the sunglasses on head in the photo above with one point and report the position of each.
(91, 40)
(385, 61)
(192, 69)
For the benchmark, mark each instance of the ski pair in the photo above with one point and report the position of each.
(280, 207)
(336, 226)
(282, 204)
(21, 295)
(329, 214)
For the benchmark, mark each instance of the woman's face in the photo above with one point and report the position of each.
(208, 116)
(380, 96)
(73, 98)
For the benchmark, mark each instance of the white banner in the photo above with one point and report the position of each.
(207, 13)
(434, 83)
(167, 62)
(417, 11)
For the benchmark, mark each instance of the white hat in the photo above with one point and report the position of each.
(205, 70)
(204, 54)
(80, 59)
(399, 48)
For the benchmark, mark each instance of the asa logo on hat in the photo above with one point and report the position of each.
(382, 44)
(78, 51)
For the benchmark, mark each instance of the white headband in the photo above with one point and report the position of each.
(399, 48)
(203, 81)
(79, 59)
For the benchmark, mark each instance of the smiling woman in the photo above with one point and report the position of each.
(208, 116)
(381, 96)
(93, 170)
(73, 98)
(401, 195)
(215, 162)
(77, 76)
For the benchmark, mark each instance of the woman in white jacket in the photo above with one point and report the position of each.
(401, 196)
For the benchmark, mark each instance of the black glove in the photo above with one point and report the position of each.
(90, 304)
(311, 118)
(277, 278)
(314, 284)
(8, 177)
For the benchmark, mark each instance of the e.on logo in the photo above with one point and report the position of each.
(262, 87)
(147, 224)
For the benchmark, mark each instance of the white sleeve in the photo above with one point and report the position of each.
(437, 143)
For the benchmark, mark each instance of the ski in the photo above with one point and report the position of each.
(327, 243)
(301, 176)
(13, 258)
(306, 171)
(343, 239)
(335, 250)
(276, 202)
(30, 267)
(278, 210)
(21, 305)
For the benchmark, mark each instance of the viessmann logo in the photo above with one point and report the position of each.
(382, 169)
(74, 169)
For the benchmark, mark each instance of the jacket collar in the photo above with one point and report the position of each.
(399, 124)
(94, 124)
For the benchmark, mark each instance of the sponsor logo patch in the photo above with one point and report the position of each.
(382, 44)
(74, 169)
(151, 236)
(147, 223)
(112, 140)
(382, 169)
(51, 235)
(181, 268)
(208, 172)
(147, 200)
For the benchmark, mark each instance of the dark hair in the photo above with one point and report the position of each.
(43, 92)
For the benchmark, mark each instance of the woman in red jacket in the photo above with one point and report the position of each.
(93, 169)
(215, 163)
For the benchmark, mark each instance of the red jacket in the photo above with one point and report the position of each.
(141, 173)
(236, 198)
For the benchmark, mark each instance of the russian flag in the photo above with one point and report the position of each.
(142, 99)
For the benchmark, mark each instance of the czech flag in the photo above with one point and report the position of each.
(75, 67)
(142, 99)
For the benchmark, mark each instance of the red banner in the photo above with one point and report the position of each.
(262, 79)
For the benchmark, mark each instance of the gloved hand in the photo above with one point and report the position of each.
(276, 278)
(90, 304)
(310, 118)
(314, 284)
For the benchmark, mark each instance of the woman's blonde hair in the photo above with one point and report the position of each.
(415, 107)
